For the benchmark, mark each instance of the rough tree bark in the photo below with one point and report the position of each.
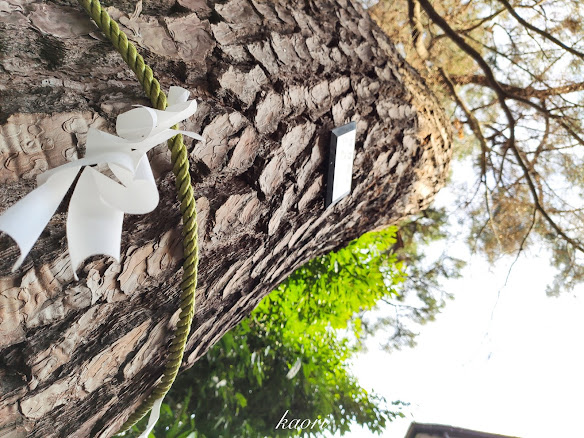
(273, 78)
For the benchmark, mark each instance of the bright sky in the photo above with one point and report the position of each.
(517, 374)
(512, 365)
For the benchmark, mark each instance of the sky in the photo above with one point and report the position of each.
(500, 358)
(511, 366)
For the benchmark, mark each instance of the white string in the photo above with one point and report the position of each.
(154, 416)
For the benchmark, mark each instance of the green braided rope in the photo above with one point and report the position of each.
(180, 169)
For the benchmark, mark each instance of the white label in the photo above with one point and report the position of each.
(343, 173)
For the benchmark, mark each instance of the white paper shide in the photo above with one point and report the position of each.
(98, 203)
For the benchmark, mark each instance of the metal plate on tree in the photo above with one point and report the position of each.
(340, 171)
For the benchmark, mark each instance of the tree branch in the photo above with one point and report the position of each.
(544, 34)
(472, 121)
(417, 29)
(527, 92)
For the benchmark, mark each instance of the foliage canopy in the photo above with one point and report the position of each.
(510, 74)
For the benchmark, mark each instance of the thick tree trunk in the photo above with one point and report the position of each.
(273, 78)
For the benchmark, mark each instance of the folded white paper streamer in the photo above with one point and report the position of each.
(98, 204)
(154, 416)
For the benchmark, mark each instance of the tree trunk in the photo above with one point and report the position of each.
(272, 78)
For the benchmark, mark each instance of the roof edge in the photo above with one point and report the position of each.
(453, 432)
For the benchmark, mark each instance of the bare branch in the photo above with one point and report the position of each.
(544, 34)
(542, 143)
(472, 120)
(480, 22)
(527, 92)
(522, 245)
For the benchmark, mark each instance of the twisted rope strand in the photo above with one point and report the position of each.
(180, 162)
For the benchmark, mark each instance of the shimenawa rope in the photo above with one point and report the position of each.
(180, 169)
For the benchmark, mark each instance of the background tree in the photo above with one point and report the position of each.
(273, 78)
(509, 73)
(422, 296)
(292, 353)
